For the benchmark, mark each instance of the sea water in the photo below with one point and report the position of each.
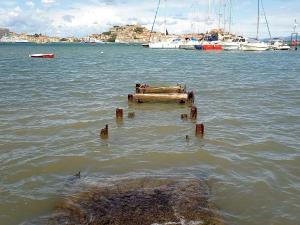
(51, 111)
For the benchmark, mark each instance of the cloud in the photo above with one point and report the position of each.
(30, 3)
(15, 12)
(48, 2)
(75, 18)
(68, 18)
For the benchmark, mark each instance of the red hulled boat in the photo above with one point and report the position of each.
(211, 46)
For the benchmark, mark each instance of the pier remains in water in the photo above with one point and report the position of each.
(148, 93)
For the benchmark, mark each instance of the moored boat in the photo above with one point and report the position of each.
(233, 44)
(43, 55)
(254, 45)
(209, 46)
(169, 44)
(278, 44)
(189, 44)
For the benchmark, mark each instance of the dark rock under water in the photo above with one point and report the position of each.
(139, 202)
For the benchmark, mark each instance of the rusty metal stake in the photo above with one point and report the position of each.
(131, 115)
(199, 130)
(130, 98)
(193, 114)
(184, 116)
(119, 114)
(104, 132)
(191, 97)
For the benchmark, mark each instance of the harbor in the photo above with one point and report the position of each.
(187, 119)
(53, 112)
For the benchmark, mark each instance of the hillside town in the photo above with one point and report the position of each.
(118, 34)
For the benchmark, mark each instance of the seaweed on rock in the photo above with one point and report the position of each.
(146, 201)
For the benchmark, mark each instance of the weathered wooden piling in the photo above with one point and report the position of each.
(193, 114)
(191, 97)
(130, 98)
(147, 93)
(184, 116)
(119, 114)
(104, 132)
(131, 115)
(147, 89)
(174, 97)
(199, 130)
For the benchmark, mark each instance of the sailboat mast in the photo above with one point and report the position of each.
(230, 18)
(263, 8)
(220, 14)
(154, 20)
(165, 21)
(209, 11)
(258, 12)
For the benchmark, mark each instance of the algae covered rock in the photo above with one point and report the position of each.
(147, 201)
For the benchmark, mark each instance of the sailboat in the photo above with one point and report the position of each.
(255, 44)
(171, 43)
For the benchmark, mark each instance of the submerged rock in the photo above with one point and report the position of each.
(145, 201)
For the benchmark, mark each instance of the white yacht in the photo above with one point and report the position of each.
(189, 44)
(233, 44)
(278, 44)
(254, 45)
(168, 44)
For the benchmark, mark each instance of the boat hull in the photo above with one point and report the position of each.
(283, 48)
(187, 47)
(209, 47)
(254, 47)
(171, 44)
(212, 47)
(164, 45)
(49, 56)
(230, 46)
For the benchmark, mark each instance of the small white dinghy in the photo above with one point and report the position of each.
(44, 55)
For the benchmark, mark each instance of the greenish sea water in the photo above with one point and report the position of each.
(51, 112)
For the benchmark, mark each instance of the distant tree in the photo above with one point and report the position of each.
(112, 38)
(138, 30)
(63, 39)
(107, 33)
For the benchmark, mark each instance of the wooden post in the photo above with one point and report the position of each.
(172, 97)
(199, 130)
(146, 89)
(191, 97)
(119, 114)
(137, 88)
(193, 114)
(131, 115)
(130, 98)
(184, 116)
(104, 132)
(187, 137)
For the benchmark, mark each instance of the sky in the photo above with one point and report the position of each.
(80, 18)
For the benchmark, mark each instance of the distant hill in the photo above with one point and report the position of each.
(3, 31)
(287, 38)
(127, 34)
